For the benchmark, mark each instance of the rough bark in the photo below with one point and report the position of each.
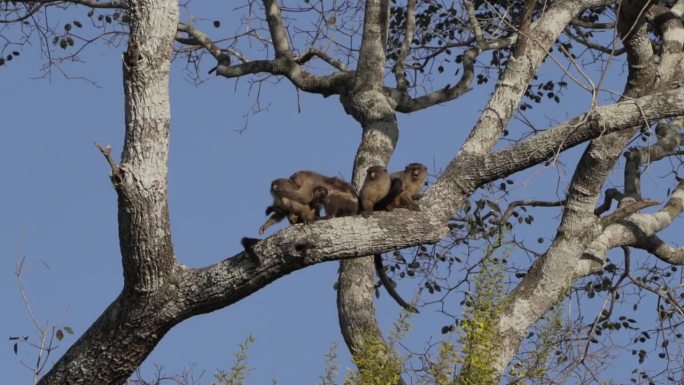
(368, 105)
(121, 338)
(548, 279)
(158, 293)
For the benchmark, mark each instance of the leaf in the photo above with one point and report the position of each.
(69, 330)
(16, 347)
(59, 334)
(217, 23)
(494, 207)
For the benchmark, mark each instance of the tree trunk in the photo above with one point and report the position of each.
(117, 343)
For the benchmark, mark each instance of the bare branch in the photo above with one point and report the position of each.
(591, 25)
(533, 203)
(626, 211)
(610, 195)
(275, 25)
(660, 249)
(116, 172)
(406, 104)
(405, 46)
(313, 52)
(638, 228)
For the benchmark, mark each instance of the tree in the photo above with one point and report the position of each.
(405, 41)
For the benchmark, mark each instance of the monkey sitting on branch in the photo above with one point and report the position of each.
(377, 187)
(405, 188)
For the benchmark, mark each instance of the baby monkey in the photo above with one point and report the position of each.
(283, 207)
(337, 203)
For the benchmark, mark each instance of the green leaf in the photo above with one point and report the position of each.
(69, 330)
(59, 334)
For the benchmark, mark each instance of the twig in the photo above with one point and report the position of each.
(116, 171)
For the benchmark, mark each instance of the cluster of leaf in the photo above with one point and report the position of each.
(68, 34)
(640, 329)
(9, 57)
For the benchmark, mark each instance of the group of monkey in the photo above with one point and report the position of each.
(301, 197)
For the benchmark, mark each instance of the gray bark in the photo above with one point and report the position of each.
(158, 293)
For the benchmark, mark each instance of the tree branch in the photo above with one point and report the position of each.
(398, 69)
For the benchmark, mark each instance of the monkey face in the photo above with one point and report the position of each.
(416, 170)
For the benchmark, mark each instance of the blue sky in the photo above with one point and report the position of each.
(59, 208)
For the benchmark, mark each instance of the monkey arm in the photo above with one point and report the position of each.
(272, 220)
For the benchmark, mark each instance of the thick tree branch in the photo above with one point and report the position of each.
(638, 229)
(275, 26)
(602, 121)
(117, 343)
(660, 249)
(669, 139)
(342, 238)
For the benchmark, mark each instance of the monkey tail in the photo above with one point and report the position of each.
(389, 285)
(395, 189)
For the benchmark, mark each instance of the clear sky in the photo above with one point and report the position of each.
(59, 208)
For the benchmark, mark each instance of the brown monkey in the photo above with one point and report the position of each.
(283, 207)
(375, 187)
(306, 181)
(337, 203)
(405, 188)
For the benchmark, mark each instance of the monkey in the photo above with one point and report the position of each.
(337, 203)
(283, 207)
(306, 181)
(375, 187)
(379, 192)
(405, 188)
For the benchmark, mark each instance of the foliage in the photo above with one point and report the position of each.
(239, 371)
(378, 362)
(479, 337)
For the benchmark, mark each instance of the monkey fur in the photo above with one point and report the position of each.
(405, 188)
(283, 207)
(375, 187)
